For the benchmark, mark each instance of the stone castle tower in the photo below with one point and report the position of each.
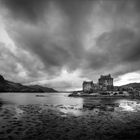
(106, 82)
(88, 86)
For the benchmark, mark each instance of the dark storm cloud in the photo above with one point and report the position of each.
(120, 47)
(31, 10)
(34, 10)
(55, 31)
(54, 54)
(54, 51)
(17, 66)
(51, 53)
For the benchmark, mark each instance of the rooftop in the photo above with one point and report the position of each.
(88, 82)
(105, 76)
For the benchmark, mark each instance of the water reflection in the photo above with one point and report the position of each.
(99, 104)
(47, 98)
(68, 105)
(112, 105)
(127, 105)
(70, 110)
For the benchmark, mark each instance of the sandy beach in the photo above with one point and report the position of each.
(47, 122)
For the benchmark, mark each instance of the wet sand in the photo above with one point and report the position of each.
(46, 122)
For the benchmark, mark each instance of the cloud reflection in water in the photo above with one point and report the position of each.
(126, 105)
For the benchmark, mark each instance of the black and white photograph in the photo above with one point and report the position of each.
(69, 69)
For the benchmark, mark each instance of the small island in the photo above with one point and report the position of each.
(104, 88)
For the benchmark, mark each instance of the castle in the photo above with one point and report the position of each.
(105, 83)
(88, 86)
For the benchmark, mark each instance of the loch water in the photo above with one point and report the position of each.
(71, 105)
(52, 116)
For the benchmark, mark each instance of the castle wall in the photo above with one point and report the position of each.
(88, 87)
(106, 82)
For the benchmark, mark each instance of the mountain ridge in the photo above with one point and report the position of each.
(134, 85)
(9, 86)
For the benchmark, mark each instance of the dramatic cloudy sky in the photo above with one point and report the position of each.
(60, 43)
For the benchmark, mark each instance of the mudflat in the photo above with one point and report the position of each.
(47, 122)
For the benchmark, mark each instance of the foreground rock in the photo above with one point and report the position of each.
(41, 122)
(8, 86)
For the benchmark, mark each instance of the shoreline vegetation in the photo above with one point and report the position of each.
(105, 94)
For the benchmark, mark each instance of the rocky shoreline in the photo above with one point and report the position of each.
(45, 122)
(98, 96)
(101, 96)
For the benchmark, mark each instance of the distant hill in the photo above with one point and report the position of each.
(8, 86)
(133, 85)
